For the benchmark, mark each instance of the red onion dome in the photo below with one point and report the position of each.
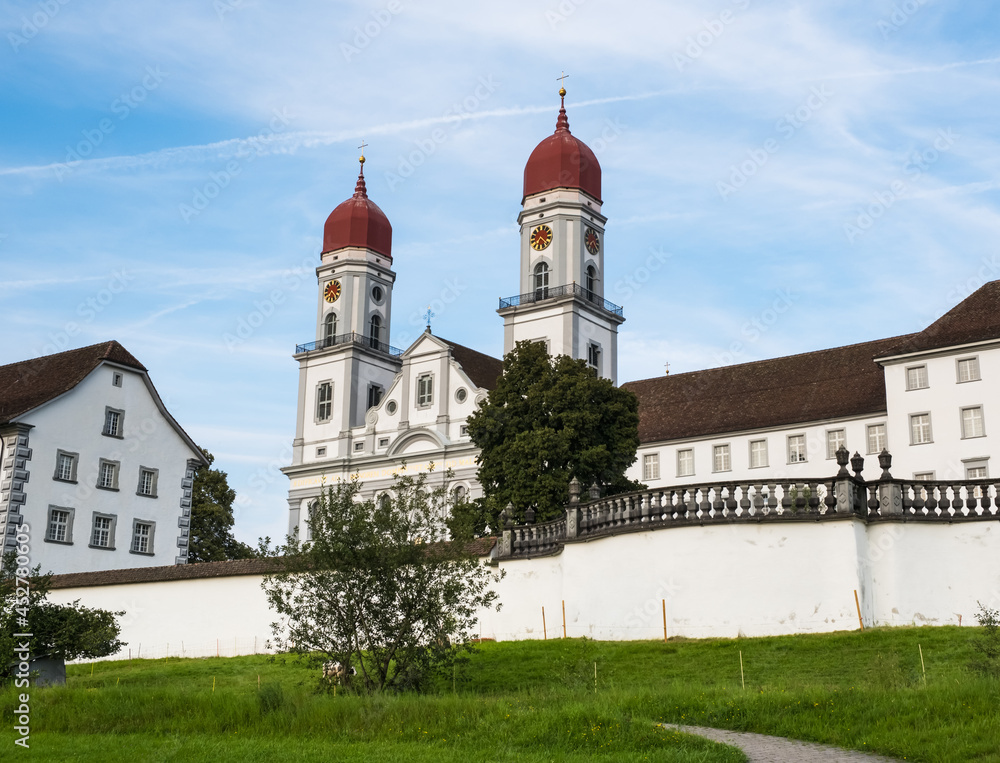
(562, 161)
(358, 222)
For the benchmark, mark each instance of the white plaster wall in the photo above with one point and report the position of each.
(717, 581)
(74, 423)
(816, 465)
(929, 574)
(194, 618)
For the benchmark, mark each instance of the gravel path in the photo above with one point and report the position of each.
(766, 749)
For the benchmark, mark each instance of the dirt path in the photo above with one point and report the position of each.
(766, 749)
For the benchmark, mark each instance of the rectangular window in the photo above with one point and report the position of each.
(142, 537)
(916, 377)
(103, 535)
(976, 470)
(116, 379)
(65, 466)
(594, 357)
(796, 449)
(720, 458)
(374, 395)
(685, 462)
(320, 452)
(758, 453)
(876, 438)
(113, 422)
(972, 422)
(651, 466)
(968, 370)
(59, 526)
(835, 440)
(425, 390)
(358, 447)
(107, 475)
(324, 401)
(383, 442)
(147, 482)
(920, 428)
(463, 431)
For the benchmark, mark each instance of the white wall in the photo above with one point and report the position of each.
(753, 579)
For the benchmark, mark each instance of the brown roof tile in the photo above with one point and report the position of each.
(975, 319)
(29, 383)
(483, 370)
(232, 568)
(844, 381)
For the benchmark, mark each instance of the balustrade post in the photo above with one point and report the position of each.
(506, 536)
(890, 496)
(573, 510)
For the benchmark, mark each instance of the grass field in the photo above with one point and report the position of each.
(538, 701)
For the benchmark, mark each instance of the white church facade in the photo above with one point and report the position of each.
(365, 407)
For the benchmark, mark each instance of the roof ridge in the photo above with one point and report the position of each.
(771, 360)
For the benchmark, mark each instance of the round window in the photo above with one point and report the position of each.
(377, 294)
(461, 395)
(391, 407)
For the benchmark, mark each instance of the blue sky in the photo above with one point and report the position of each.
(778, 176)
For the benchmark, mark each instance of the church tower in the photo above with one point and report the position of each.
(562, 256)
(346, 370)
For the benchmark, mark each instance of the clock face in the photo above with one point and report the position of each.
(332, 291)
(591, 241)
(540, 237)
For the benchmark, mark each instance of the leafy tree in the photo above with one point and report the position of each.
(211, 538)
(375, 588)
(986, 644)
(546, 422)
(70, 631)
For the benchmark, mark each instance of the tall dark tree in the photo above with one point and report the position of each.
(546, 422)
(212, 518)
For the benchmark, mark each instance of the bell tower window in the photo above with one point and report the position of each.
(541, 281)
(329, 329)
(591, 281)
(375, 331)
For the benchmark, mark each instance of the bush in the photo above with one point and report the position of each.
(986, 645)
(271, 697)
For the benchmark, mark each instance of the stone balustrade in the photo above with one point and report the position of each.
(715, 502)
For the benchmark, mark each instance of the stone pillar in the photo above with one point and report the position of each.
(506, 537)
(573, 509)
(890, 495)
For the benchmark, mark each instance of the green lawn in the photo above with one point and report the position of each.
(537, 701)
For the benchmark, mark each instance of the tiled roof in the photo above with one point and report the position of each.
(827, 384)
(483, 370)
(975, 319)
(233, 568)
(29, 383)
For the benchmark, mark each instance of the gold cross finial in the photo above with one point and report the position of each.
(562, 86)
(363, 146)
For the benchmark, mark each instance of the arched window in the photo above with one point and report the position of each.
(541, 281)
(384, 501)
(591, 282)
(459, 493)
(375, 331)
(313, 508)
(329, 329)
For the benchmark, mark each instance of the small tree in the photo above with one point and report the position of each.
(987, 644)
(546, 422)
(211, 537)
(376, 588)
(67, 631)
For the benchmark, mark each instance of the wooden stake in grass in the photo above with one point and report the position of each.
(742, 680)
(922, 668)
(595, 678)
(545, 632)
(858, 605)
(664, 601)
(258, 682)
(213, 684)
(564, 617)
